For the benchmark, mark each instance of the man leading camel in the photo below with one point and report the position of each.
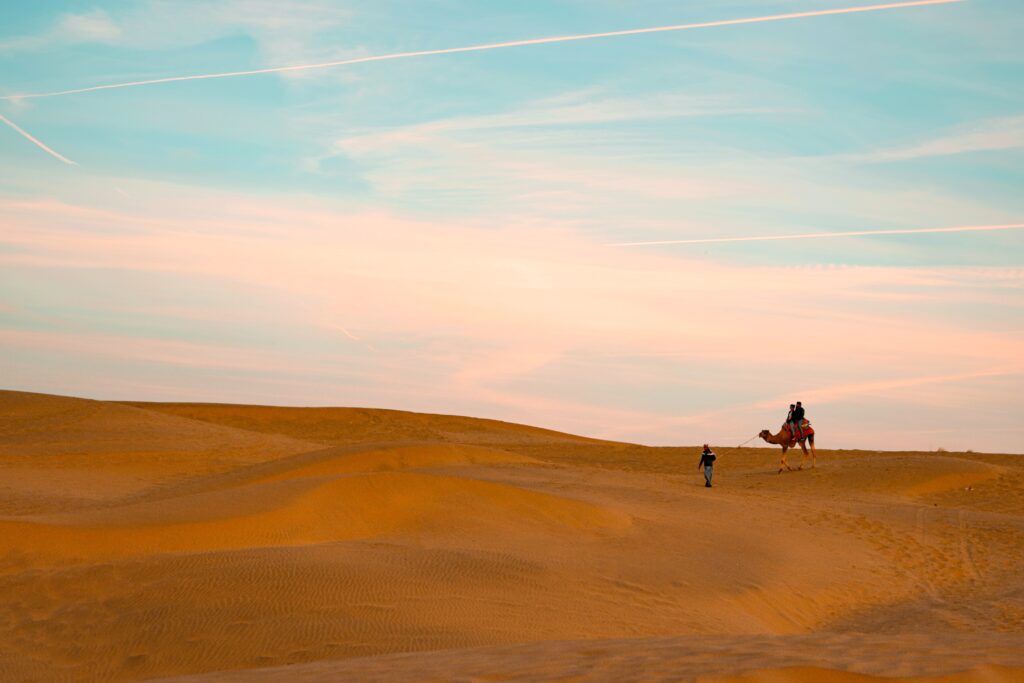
(707, 461)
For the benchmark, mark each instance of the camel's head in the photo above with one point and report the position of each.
(764, 434)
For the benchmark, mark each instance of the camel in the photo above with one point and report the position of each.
(785, 439)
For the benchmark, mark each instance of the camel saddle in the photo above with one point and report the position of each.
(805, 428)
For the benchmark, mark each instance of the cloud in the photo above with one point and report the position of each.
(564, 158)
(538, 323)
(94, 26)
(163, 351)
(556, 156)
(91, 27)
(283, 33)
(294, 68)
(989, 135)
(492, 282)
(884, 387)
(826, 235)
(571, 109)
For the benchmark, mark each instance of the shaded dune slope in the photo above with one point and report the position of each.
(740, 659)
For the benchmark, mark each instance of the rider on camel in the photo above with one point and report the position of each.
(796, 421)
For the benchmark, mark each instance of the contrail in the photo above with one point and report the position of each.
(825, 235)
(38, 143)
(493, 46)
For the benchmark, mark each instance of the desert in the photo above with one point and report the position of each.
(205, 542)
(449, 340)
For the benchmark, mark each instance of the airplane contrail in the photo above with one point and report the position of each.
(37, 142)
(824, 235)
(493, 46)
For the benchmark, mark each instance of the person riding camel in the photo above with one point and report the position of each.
(789, 418)
(796, 426)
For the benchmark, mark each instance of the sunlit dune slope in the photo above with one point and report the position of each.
(59, 452)
(915, 476)
(361, 425)
(243, 543)
(300, 511)
(56, 426)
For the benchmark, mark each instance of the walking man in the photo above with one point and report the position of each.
(707, 459)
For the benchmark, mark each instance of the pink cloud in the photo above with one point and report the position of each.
(148, 349)
(568, 289)
(459, 314)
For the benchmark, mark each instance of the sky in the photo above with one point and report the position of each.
(566, 234)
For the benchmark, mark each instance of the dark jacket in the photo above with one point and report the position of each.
(798, 414)
(707, 458)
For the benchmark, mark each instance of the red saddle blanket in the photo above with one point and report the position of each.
(805, 429)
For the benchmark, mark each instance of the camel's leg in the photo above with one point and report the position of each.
(814, 453)
(784, 465)
(803, 455)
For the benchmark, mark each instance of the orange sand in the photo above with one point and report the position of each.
(245, 543)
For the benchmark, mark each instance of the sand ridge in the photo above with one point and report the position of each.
(257, 543)
(361, 425)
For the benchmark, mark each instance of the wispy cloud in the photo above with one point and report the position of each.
(37, 142)
(494, 46)
(139, 348)
(568, 110)
(282, 32)
(93, 26)
(514, 321)
(884, 387)
(827, 235)
(988, 135)
(565, 157)
(86, 27)
(602, 294)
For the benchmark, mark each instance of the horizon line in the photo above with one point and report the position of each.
(554, 430)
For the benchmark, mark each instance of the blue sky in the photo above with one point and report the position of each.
(432, 233)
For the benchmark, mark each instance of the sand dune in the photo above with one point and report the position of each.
(360, 425)
(656, 659)
(298, 511)
(238, 543)
(59, 452)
